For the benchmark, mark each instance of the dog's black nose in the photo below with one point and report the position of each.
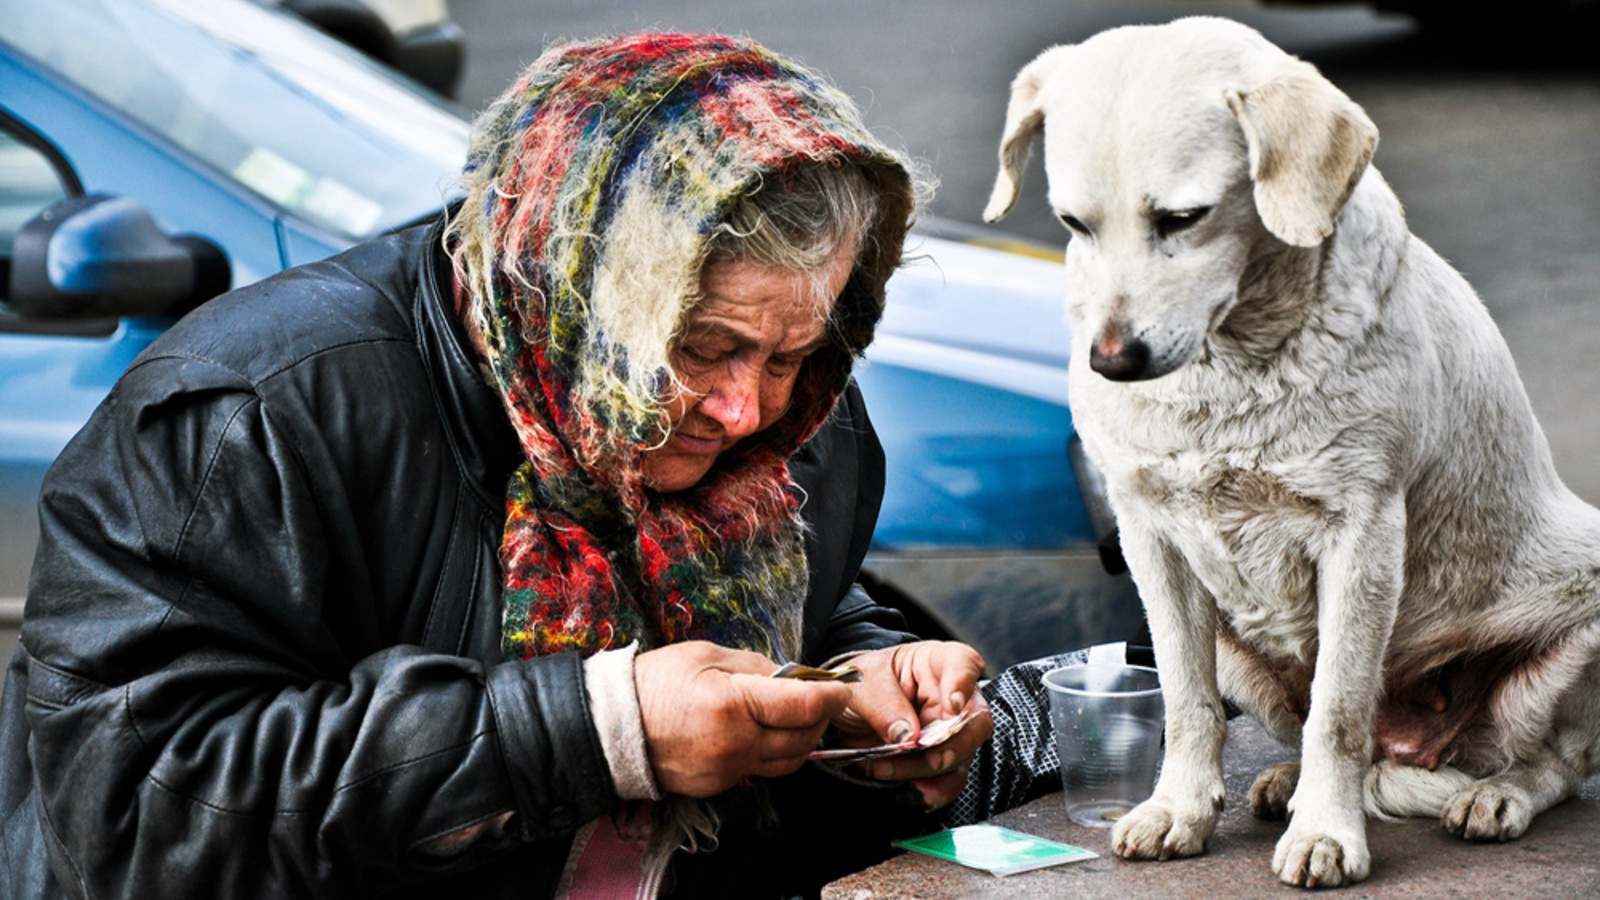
(1120, 360)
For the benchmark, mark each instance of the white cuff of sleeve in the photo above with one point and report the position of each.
(614, 705)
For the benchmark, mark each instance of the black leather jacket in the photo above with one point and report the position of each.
(261, 652)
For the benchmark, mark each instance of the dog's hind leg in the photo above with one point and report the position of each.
(1248, 680)
(1277, 698)
(1552, 746)
(1501, 808)
(1269, 796)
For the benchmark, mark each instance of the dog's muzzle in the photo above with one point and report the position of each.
(1120, 359)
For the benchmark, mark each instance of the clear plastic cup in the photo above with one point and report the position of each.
(1108, 723)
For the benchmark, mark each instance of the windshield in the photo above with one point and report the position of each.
(289, 113)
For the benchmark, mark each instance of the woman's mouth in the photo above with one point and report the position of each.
(694, 444)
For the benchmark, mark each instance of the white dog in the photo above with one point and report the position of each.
(1330, 486)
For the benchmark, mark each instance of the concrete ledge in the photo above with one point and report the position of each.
(1415, 859)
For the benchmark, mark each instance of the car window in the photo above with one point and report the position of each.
(288, 113)
(28, 183)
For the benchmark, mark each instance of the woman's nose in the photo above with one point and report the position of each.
(734, 402)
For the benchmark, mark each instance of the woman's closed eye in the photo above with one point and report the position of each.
(786, 364)
(701, 356)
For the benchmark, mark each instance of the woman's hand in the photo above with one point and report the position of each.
(713, 717)
(902, 690)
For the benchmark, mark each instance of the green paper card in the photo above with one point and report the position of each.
(995, 849)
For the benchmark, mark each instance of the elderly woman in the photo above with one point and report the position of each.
(459, 563)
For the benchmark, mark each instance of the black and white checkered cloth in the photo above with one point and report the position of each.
(1019, 763)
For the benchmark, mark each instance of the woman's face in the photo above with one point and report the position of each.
(737, 357)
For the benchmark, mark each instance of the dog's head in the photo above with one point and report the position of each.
(1174, 154)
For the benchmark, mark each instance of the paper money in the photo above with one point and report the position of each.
(933, 735)
(845, 673)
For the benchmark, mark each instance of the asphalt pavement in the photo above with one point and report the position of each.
(1490, 135)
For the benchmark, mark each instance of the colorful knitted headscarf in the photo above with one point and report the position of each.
(594, 185)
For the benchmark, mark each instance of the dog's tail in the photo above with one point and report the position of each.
(1394, 791)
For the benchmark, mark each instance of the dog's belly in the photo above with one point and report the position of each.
(1424, 713)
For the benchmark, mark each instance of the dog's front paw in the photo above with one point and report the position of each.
(1269, 796)
(1319, 858)
(1156, 830)
(1488, 811)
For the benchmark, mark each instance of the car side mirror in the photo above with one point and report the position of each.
(100, 255)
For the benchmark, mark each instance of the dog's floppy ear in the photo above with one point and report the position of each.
(1024, 116)
(1309, 144)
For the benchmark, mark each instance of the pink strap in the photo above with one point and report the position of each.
(607, 863)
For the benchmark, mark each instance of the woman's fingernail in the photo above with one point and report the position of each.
(899, 732)
(883, 771)
(957, 700)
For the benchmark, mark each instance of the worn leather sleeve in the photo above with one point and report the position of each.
(211, 691)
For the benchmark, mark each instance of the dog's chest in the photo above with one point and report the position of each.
(1250, 534)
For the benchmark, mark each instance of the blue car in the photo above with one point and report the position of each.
(155, 153)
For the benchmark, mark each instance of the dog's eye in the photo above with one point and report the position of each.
(1170, 223)
(1072, 223)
